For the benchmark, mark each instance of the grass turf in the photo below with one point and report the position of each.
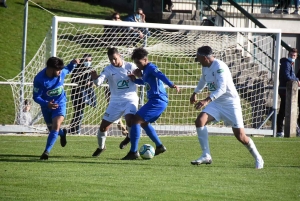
(72, 174)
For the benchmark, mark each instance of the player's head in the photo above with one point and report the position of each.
(140, 57)
(293, 54)
(205, 55)
(54, 66)
(86, 60)
(114, 57)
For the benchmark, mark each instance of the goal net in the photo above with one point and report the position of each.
(249, 53)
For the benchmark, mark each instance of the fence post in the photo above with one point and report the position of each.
(291, 109)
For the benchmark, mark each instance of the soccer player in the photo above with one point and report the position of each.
(223, 103)
(48, 92)
(123, 96)
(153, 80)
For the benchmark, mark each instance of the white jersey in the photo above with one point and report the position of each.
(120, 85)
(219, 82)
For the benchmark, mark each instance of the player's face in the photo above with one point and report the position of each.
(202, 60)
(141, 63)
(115, 60)
(55, 73)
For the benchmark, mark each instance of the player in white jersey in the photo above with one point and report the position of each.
(123, 97)
(223, 103)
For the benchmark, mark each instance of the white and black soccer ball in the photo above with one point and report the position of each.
(147, 151)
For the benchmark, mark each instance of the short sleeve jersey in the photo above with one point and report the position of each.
(120, 85)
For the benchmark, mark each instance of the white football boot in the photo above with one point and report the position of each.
(259, 163)
(204, 159)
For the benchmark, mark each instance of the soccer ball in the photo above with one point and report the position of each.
(147, 151)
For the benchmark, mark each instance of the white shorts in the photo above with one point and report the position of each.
(230, 114)
(115, 111)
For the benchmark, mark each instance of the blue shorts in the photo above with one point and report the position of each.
(49, 114)
(152, 110)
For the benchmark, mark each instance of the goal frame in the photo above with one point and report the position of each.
(223, 130)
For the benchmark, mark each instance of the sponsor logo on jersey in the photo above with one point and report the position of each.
(220, 71)
(123, 84)
(213, 73)
(55, 92)
(128, 72)
(147, 86)
(35, 89)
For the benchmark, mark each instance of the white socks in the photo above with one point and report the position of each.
(252, 149)
(101, 138)
(203, 140)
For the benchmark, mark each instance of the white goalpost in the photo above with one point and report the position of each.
(251, 54)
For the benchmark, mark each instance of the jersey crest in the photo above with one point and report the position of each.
(55, 92)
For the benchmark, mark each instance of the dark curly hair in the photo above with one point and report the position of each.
(55, 62)
(139, 53)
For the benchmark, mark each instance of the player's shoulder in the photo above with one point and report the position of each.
(41, 75)
(129, 65)
(219, 65)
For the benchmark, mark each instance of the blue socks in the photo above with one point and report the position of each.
(152, 134)
(135, 134)
(51, 140)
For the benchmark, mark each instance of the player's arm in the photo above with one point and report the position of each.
(98, 80)
(198, 89)
(37, 94)
(71, 65)
(287, 74)
(157, 73)
(221, 84)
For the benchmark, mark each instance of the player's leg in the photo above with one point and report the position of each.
(201, 121)
(234, 116)
(129, 112)
(111, 114)
(128, 119)
(135, 133)
(150, 112)
(52, 137)
(122, 127)
(101, 137)
(240, 135)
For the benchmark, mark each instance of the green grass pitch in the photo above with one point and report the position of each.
(72, 174)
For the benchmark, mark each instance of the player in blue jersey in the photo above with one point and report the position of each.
(154, 80)
(48, 92)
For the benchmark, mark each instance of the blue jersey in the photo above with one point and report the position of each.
(46, 89)
(153, 80)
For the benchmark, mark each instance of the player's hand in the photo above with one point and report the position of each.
(132, 77)
(202, 103)
(94, 75)
(75, 61)
(138, 72)
(193, 98)
(52, 105)
(176, 87)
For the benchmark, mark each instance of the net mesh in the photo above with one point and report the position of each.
(248, 55)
